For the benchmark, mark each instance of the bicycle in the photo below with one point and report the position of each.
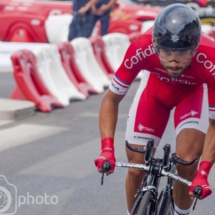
(149, 201)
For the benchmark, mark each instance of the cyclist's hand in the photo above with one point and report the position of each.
(107, 155)
(201, 180)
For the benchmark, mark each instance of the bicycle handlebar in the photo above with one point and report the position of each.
(197, 190)
(147, 169)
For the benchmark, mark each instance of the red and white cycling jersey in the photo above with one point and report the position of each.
(161, 92)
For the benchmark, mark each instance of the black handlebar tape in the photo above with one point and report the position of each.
(166, 149)
(106, 166)
(149, 146)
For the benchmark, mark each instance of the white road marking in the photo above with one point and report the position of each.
(25, 133)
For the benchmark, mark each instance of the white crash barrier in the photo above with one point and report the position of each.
(5, 62)
(206, 28)
(49, 67)
(88, 65)
(54, 76)
(57, 27)
(8, 48)
(116, 45)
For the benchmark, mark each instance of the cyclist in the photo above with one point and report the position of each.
(181, 64)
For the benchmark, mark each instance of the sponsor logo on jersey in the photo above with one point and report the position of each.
(141, 127)
(192, 113)
(139, 56)
(189, 122)
(169, 79)
(185, 76)
(203, 59)
(143, 138)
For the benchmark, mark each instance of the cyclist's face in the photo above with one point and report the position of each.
(175, 62)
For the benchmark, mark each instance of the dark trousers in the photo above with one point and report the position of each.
(80, 26)
(104, 20)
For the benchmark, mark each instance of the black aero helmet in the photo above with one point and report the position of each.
(177, 27)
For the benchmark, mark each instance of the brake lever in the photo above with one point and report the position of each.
(102, 179)
(106, 166)
(197, 192)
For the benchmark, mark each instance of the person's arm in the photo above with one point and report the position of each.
(209, 145)
(109, 113)
(208, 153)
(87, 6)
(105, 7)
(107, 123)
(208, 158)
(110, 4)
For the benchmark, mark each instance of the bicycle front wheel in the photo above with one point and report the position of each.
(145, 205)
(165, 204)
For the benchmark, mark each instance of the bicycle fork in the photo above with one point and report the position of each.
(147, 187)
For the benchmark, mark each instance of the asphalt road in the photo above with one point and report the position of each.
(48, 160)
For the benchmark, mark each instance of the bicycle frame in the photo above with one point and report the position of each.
(151, 186)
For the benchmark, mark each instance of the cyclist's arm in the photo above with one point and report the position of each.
(208, 155)
(107, 123)
(209, 146)
(120, 84)
(208, 158)
(108, 113)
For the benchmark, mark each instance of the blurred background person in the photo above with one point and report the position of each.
(101, 11)
(80, 25)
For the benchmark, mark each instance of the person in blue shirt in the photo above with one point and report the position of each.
(80, 26)
(101, 11)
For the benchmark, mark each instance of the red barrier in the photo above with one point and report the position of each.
(68, 61)
(44, 8)
(99, 51)
(23, 21)
(29, 84)
(24, 28)
(125, 26)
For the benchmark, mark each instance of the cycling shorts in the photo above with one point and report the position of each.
(153, 102)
